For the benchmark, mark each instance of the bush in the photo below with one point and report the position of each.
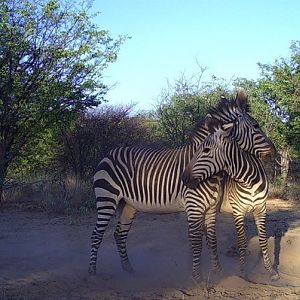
(96, 133)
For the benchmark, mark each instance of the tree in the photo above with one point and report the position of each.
(38, 156)
(52, 57)
(275, 98)
(96, 133)
(184, 103)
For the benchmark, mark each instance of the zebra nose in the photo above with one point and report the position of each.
(192, 184)
(188, 180)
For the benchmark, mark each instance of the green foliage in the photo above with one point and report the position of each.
(275, 99)
(39, 155)
(280, 87)
(276, 104)
(185, 103)
(52, 57)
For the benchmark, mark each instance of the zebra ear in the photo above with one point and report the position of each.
(242, 100)
(212, 124)
(227, 126)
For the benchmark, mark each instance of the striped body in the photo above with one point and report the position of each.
(150, 180)
(246, 187)
(147, 179)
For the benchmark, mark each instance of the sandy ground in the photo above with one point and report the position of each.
(46, 257)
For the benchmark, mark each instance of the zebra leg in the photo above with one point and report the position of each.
(196, 229)
(260, 221)
(121, 233)
(211, 238)
(106, 208)
(239, 220)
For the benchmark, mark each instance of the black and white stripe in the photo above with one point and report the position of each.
(146, 179)
(246, 187)
(150, 180)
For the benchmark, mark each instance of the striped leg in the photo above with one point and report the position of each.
(106, 208)
(211, 237)
(196, 229)
(260, 221)
(121, 233)
(239, 220)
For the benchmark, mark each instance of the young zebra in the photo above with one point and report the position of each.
(150, 180)
(246, 185)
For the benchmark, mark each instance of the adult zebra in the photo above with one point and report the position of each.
(150, 180)
(246, 185)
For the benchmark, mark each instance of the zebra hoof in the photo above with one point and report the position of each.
(275, 276)
(197, 278)
(214, 277)
(128, 268)
(92, 270)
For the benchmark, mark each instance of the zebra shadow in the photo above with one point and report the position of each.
(278, 223)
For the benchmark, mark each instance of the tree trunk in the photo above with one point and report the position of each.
(4, 163)
(3, 171)
(285, 165)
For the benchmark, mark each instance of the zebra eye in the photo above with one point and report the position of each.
(205, 150)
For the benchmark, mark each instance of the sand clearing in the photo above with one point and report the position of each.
(46, 257)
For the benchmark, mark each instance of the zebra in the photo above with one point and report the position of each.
(149, 180)
(246, 184)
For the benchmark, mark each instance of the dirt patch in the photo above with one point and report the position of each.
(46, 257)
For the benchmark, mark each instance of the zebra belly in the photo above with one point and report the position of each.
(162, 208)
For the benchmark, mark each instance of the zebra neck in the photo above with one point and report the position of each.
(244, 168)
(188, 152)
(199, 136)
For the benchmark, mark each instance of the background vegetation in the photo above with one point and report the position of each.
(55, 127)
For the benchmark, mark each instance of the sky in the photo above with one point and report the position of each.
(169, 38)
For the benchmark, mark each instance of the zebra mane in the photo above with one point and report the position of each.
(199, 132)
(226, 111)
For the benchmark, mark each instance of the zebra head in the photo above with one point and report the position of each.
(246, 130)
(211, 156)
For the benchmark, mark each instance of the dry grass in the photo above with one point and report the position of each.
(59, 195)
(68, 195)
(289, 191)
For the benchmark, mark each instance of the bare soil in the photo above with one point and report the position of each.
(46, 257)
